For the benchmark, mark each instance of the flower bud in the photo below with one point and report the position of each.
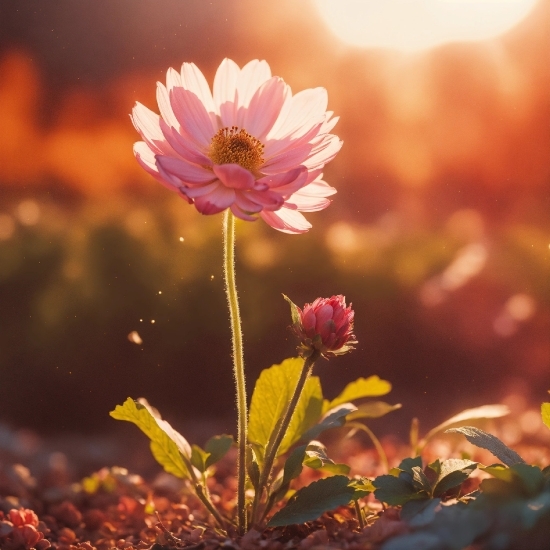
(326, 325)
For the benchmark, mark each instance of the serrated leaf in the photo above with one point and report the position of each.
(407, 464)
(334, 418)
(294, 310)
(396, 490)
(482, 439)
(451, 473)
(316, 458)
(167, 445)
(362, 487)
(372, 386)
(217, 447)
(310, 502)
(272, 393)
(477, 413)
(420, 480)
(372, 409)
(545, 411)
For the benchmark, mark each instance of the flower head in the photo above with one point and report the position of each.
(250, 146)
(326, 325)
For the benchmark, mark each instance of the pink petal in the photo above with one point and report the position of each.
(225, 88)
(287, 221)
(199, 190)
(306, 204)
(165, 108)
(234, 175)
(192, 116)
(185, 148)
(274, 147)
(246, 204)
(290, 188)
(251, 77)
(217, 201)
(323, 314)
(305, 109)
(264, 107)
(284, 178)
(317, 188)
(324, 153)
(147, 123)
(268, 199)
(184, 171)
(146, 159)
(291, 158)
(242, 215)
(194, 81)
(173, 79)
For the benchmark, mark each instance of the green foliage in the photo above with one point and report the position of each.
(478, 413)
(334, 418)
(216, 448)
(482, 439)
(312, 501)
(372, 386)
(272, 393)
(167, 445)
(294, 311)
(409, 482)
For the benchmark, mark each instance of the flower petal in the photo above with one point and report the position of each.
(163, 100)
(234, 175)
(264, 107)
(283, 178)
(147, 123)
(216, 201)
(243, 201)
(287, 221)
(324, 153)
(304, 110)
(288, 159)
(251, 77)
(225, 89)
(183, 147)
(199, 190)
(194, 81)
(242, 215)
(186, 172)
(192, 116)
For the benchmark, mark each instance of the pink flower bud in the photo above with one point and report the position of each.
(23, 516)
(326, 325)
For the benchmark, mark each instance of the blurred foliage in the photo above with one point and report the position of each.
(83, 275)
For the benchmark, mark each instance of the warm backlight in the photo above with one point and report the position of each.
(413, 25)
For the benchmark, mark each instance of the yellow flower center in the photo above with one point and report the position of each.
(234, 146)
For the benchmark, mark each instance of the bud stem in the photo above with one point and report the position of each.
(280, 431)
(238, 363)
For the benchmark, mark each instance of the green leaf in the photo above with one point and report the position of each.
(451, 473)
(482, 439)
(252, 467)
(312, 501)
(217, 448)
(272, 393)
(334, 418)
(167, 445)
(545, 411)
(198, 458)
(316, 458)
(372, 409)
(372, 386)
(420, 480)
(294, 310)
(478, 413)
(407, 464)
(396, 490)
(362, 487)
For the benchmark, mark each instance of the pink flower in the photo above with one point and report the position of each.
(251, 146)
(326, 325)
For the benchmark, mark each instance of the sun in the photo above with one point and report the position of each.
(415, 25)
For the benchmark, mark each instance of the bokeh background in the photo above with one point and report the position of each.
(439, 233)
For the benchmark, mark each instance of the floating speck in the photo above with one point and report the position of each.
(211, 277)
(181, 239)
(160, 291)
(152, 321)
(135, 338)
(141, 320)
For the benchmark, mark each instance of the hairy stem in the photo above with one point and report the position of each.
(280, 431)
(238, 362)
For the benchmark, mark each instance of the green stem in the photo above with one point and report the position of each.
(375, 441)
(359, 513)
(238, 362)
(280, 431)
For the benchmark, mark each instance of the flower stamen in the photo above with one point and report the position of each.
(236, 146)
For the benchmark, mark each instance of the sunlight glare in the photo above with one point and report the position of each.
(415, 25)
